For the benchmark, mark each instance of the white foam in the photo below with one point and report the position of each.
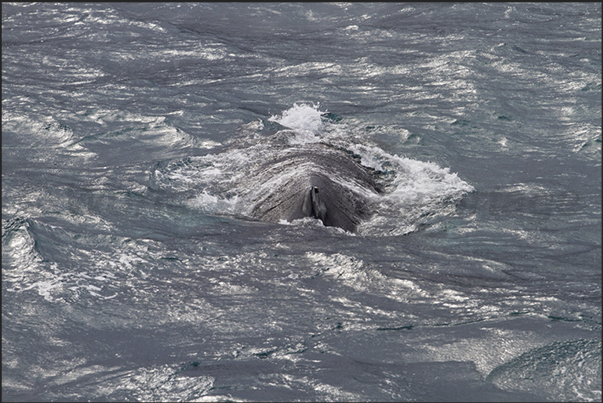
(412, 189)
(304, 120)
(209, 203)
(414, 180)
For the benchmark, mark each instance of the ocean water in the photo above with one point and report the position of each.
(135, 141)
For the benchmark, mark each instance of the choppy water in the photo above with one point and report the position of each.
(132, 141)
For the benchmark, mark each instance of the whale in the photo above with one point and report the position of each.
(316, 180)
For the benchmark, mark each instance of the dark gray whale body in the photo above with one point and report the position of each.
(316, 180)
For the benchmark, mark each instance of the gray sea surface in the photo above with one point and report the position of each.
(135, 141)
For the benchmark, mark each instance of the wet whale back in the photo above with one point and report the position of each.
(316, 181)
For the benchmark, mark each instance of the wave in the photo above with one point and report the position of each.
(564, 370)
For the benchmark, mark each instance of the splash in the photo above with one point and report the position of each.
(304, 120)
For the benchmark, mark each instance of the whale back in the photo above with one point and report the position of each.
(316, 181)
